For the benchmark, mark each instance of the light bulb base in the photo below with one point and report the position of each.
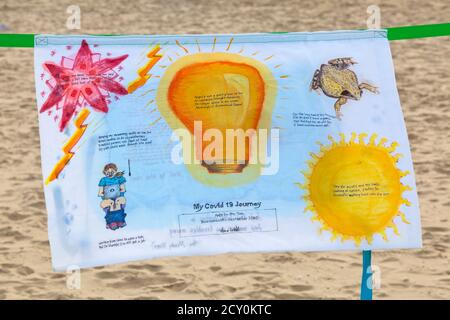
(225, 168)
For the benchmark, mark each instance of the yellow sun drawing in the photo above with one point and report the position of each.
(354, 189)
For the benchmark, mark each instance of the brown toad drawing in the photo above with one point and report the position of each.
(336, 80)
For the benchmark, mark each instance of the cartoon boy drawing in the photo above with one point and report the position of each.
(112, 191)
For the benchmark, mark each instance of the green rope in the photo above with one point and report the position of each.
(396, 33)
(17, 40)
(419, 31)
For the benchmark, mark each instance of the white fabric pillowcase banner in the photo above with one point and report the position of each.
(206, 144)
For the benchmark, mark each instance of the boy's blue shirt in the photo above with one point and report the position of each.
(106, 181)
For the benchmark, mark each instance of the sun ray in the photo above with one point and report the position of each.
(277, 66)
(147, 92)
(181, 46)
(269, 57)
(198, 45)
(229, 44)
(155, 122)
(214, 45)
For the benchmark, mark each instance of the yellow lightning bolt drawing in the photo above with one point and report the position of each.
(68, 146)
(143, 72)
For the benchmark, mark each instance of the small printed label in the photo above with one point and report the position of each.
(226, 222)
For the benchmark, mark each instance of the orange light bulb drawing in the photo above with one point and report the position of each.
(222, 91)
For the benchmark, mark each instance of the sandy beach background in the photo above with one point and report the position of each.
(423, 78)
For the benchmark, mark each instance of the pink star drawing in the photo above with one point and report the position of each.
(87, 78)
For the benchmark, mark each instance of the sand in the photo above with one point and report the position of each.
(424, 84)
